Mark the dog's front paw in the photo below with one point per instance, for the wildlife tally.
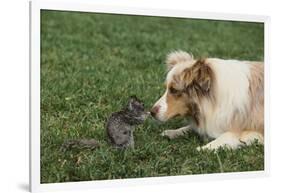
(171, 134)
(207, 147)
(203, 148)
(199, 148)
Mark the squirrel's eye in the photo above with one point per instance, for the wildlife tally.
(125, 132)
(173, 90)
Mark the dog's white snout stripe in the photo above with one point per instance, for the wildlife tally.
(162, 104)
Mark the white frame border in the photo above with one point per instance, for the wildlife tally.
(34, 177)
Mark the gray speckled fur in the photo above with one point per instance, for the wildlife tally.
(120, 125)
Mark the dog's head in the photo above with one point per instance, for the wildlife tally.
(187, 82)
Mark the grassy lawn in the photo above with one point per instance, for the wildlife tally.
(92, 63)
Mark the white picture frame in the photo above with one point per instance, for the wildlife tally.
(36, 6)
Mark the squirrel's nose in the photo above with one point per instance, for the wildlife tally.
(154, 110)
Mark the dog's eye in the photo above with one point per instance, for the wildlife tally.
(173, 90)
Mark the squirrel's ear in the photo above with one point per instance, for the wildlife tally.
(176, 57)
(133, 97)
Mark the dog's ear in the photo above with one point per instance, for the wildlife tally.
(199, 77)
(176, 57)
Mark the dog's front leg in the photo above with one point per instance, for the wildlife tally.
(227, 139)
(172, 134)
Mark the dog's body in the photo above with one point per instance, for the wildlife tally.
(224, 97)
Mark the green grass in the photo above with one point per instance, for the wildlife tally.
(92, 63)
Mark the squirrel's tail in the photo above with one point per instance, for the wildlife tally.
(80, 144)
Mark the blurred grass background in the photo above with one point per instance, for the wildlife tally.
(91, 64)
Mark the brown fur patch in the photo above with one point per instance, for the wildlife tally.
(188, 88)
(176, 105)
(256, 93)
(179, 105)
(195, 112)
(199, 80)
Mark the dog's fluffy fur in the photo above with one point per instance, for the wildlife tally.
(224, 97)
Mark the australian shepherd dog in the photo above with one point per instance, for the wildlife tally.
(225, 98)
